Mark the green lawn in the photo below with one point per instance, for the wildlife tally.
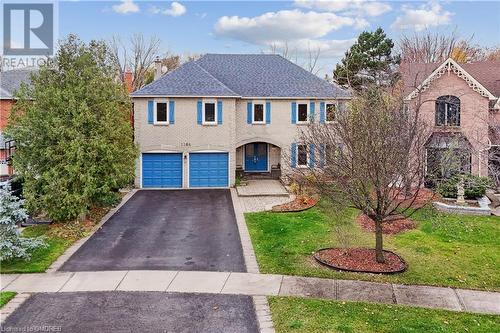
(41, 258)
(312, 315)
(448, 250)
(5, 297)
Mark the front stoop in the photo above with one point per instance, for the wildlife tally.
(262, 188)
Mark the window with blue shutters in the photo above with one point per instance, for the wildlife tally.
(160, 112)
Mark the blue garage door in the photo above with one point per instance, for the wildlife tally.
(161, 170)
(208, 170)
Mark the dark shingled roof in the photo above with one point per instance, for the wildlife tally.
(11, 80)
(485, 72)
(245, 75)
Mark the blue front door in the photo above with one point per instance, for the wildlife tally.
(256, 157)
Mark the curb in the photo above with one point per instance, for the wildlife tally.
(12, 305)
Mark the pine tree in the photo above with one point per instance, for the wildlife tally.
(368, 61)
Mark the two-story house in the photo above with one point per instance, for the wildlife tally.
(10, 82)
(460, 103)
(200, 124)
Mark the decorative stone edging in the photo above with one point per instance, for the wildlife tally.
(483, 208)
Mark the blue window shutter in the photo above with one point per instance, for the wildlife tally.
(219, 112)
(249, 112)
(268, 112)
(322, 152)
(293, 155)
(294, 112)
(171, 112)
(322, 115)
(199, 117)
(312, 110)
(312, 159)
(151, 106)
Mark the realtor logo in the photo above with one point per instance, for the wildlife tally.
(28, 29)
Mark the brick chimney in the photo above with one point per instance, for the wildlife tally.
(157, 68)
(128, 78)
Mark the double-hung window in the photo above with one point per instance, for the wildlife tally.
(448, 111)
(302, 113)
(161, 112)
(209, 112)
(302, 155)
(259, 114)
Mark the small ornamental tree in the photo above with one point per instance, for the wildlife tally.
(12, 244)
(72, 130)
(370, 156)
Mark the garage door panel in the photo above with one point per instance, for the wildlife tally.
(162, 170)
(208, 170)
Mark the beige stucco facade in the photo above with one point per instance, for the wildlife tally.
(186, 135)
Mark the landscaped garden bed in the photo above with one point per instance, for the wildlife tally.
(445, 250)
(393, 225)
(360, 260)
(299, 204)
(302, 315)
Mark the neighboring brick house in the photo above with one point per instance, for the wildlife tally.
(226, 113)
(10, 81)
(461, 103)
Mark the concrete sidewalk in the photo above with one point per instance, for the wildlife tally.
(255, 285)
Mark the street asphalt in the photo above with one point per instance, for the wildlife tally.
(167, 230)
(133, 312)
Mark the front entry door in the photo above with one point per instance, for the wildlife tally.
(256, 157)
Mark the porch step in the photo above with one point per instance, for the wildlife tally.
(257, 175)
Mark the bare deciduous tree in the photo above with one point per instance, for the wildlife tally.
(432, 47)
(368, 156)
(137, 57)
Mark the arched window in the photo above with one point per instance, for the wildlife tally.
(448, 111)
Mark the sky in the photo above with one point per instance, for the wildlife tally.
(197, 27)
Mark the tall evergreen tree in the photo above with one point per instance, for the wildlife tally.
(368, 61)
(72, 132)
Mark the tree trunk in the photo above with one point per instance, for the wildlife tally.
(379, 247)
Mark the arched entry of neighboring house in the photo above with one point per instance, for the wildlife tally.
(260, 158)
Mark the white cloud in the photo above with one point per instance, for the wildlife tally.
(328, 48)
(423, 17)
(126, 7)
(285, 25)
(353, 7)
(176, 9)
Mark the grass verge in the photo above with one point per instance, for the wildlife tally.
(313, 315)
(5, 297)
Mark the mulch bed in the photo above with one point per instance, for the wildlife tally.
(360, 260)
(392, 225)
(297, 205)
(424, 197)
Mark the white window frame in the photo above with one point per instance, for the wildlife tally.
(263, 122)
(155, 113)
(307, 121)
(209, 123)
(336, 103)
(307, 156)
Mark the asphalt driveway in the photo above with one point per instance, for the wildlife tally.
(177, 230)
(133, 312)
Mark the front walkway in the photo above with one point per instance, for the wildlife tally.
(255, 285)
(262, 194)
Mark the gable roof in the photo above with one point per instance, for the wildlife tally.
(10, 81)
(242, 75)
(483, 77)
